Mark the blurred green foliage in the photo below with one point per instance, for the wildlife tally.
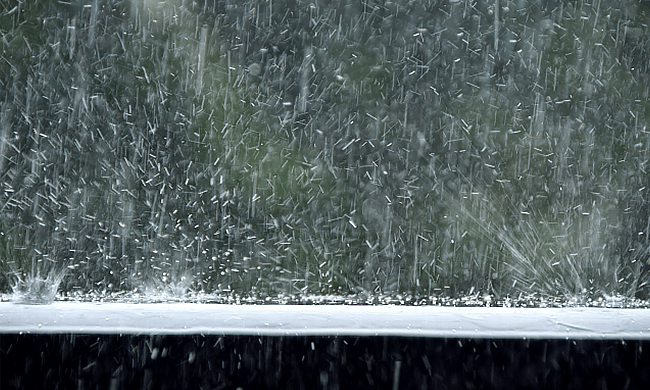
(327, 147)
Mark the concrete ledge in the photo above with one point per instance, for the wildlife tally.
(337, 320)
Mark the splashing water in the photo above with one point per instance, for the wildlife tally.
(343, 149)
(36, 290)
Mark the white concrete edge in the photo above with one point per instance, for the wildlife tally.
(335, 320)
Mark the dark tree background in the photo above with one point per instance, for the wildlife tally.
(326, 147)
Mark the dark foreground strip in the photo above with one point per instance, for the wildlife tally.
(315, 362)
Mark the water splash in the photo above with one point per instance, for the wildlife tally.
(36, 290)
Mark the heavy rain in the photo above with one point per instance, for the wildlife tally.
(393, 167)
(303, 150)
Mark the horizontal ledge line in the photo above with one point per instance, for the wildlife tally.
(329, 320)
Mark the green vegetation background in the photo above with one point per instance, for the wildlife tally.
(326, 147)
